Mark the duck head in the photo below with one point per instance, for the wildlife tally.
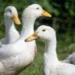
(35, 11)
(11, 13)
(45, 33)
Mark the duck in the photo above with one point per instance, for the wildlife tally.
(52, 65)
(10, 17)
(15, 57)
(0, 44)
(70, 59)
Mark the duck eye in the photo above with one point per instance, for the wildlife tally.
(37, 8)
(10, 11)
(43, 30)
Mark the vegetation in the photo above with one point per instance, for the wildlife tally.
(63, 13)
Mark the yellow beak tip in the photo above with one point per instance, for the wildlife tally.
(19, 23)
(46, 14)
(50, 15)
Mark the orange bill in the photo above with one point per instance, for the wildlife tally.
(16, 19)
(46, 14)
(32, 37)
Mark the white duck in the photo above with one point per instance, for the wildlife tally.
(52, 65)
(16, 56)
(11, 34)
(70, 59)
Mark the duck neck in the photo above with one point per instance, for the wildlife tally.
(28, 27)
(9, 27)
(50, 49)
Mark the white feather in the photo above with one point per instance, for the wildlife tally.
(11, 33)
(52, 65)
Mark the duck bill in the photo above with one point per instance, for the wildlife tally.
(16, 19)
(32, 37)
(46, 14)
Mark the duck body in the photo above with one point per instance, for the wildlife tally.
(16, 56)
(9, 39)
(70, 59)
(52, 65)
(16, 61)
(11, 33)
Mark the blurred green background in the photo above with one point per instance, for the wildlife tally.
(63, 21)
